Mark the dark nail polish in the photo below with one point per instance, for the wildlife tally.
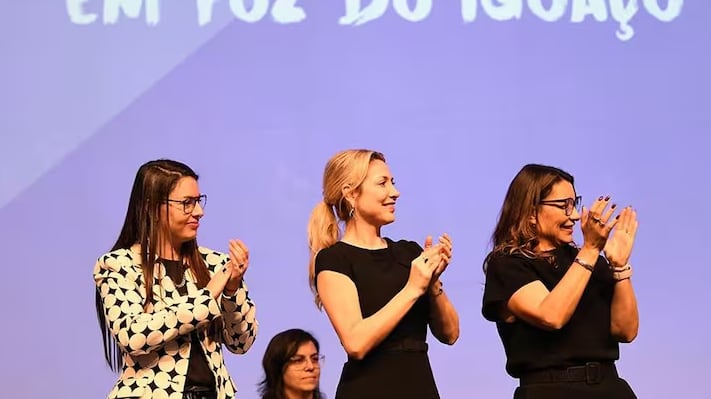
(600, 198)
(617, 217)
(613, 206)
(607, 198)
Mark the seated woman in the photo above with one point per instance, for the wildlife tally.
(292, 367)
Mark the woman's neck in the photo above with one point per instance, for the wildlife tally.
(168, 250)
(544, 246)
(363, 235)
(298, 394)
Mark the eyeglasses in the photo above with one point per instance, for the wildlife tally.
(566, 204)
(302, 362)
(189, 203)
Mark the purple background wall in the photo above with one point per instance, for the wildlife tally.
(257, 108)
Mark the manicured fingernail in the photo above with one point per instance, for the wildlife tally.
(617, 217)
(600, 198)
(607, 198)
(613, 206)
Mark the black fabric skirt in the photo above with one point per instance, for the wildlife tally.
(388, 375)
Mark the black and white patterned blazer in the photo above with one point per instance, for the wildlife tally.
(156, 343)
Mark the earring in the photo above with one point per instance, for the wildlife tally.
(350, 213)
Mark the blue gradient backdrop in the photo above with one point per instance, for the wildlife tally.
(257, 109)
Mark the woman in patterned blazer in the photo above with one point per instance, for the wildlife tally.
(165, 305)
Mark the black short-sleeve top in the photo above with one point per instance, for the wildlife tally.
(379, 274)
(586, 337)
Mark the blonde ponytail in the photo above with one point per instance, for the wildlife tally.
(323, 231)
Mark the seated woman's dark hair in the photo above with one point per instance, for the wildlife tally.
(280, 350)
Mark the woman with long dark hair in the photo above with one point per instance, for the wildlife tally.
(165, 305)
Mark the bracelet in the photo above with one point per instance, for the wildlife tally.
(233, 294)
(584, 264)
(621, 268)
(622, 273)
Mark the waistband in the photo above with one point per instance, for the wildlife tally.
(590, 373)
(403, 345)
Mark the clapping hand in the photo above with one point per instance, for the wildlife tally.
(619, 247)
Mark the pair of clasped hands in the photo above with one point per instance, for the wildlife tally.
(229, 279)
(597, 224)
(432, 262)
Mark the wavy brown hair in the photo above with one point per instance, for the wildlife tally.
(514, 232)
(145, 223)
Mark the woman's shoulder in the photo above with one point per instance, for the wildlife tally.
(116, 260)
(503, 258)
(119, 253)
(335, 252)
(338, 257)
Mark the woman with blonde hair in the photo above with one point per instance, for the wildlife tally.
(165, 305)
(380, 295)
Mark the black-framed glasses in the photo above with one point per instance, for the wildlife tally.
(189, 203)
(301, 362)
(567, 204)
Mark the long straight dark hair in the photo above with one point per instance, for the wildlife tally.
(276, 357)
(514, 232)
(145, 225)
